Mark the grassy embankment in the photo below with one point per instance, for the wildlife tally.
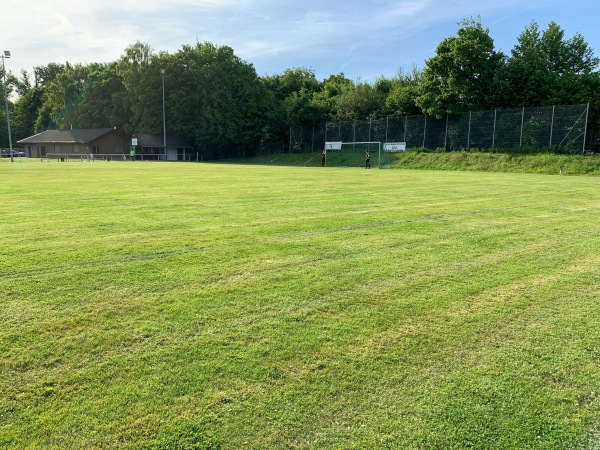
(543, 163)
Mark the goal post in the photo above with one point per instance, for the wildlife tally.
(352, 154)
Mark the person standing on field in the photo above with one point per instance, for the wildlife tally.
(323, 159)
(132, 154)
(367, 160)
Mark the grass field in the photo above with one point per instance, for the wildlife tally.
(175, 306)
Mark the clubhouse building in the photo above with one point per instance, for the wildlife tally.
(105, 142)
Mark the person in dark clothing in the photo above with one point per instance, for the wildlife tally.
(323, 159)
(367, 160)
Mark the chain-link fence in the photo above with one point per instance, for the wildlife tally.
(560, 128)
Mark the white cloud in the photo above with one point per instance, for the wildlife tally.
(357, 36)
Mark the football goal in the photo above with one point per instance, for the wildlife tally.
(353, 154)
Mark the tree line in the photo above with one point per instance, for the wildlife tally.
(218, 103)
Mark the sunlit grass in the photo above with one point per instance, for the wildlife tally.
(149, 305)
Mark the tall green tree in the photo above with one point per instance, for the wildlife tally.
(23, 84)
(327, 98)
(545, 68)
(216, 100)
(361, 101)
(100, 105)
(26, 112)
(293, 94)
(461, 75)
(66, 93)
(401, 99)
(139, 94)
(82, 96)
(31, 111)
(304, 108)
(292, 81)
(44, 75)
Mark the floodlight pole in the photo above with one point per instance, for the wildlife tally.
(162, 72)
(5, 55)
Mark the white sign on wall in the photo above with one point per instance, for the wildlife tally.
(394, 146)
(333, 145)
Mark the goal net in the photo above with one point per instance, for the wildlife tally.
(353, 154)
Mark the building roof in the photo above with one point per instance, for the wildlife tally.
(157, 141)
(67, 136)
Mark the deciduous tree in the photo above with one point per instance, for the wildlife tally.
(460, 77)
(217, 100)
(401, 99)
(544, 68)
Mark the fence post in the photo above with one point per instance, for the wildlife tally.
(387, 124)
(494, 132)
(424, 129)
(587, 113)
(312, 149)
(370, 121)
(522, 120)
(405, 126)
(552, 125)
(446, 135)
(469, 132)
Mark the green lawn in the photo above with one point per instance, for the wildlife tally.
(181, 305)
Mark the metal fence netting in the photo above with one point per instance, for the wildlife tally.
(556, 127)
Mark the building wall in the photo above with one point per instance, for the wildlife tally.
(32, 150)
(171, 154)
(110, 143)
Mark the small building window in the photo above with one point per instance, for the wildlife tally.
(75, 148)
(56, 148)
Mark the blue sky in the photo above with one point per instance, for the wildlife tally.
(363, 39)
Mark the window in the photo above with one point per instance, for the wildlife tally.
(56, 148)
(95, 149)
(75, 148)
